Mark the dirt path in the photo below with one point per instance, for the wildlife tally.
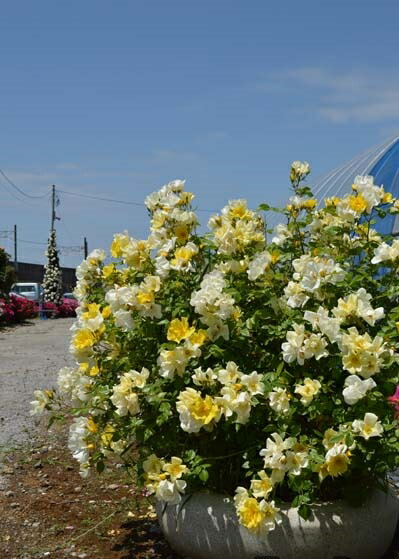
(46, 510)
(30, 357)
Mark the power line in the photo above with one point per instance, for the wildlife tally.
(126, 202)
(73, 248)
(100, 198)
(62, 222)
(32, 242)
(69, 193)
(20, 189)
(12, 193)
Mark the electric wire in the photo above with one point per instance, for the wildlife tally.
(63, 224)
(11, 192)
(75, 248)
(20, 189)
(126, 202)
(68, 249)
(80, 195)
(92, 197)
(31, 242)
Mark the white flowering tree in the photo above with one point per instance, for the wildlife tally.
(221, 362)
(52, 282)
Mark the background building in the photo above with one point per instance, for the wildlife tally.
(34, 273)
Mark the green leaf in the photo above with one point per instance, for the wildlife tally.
(204, 475)
(189, 455)
(280, 368)
(296, 501)
(305, 512)
(165, 408)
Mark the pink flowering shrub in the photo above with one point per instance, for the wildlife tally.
(394, 400)
(22, 308)
(6, 312)
(66, 308)
(16, 309)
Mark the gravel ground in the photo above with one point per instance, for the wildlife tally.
(31, 355)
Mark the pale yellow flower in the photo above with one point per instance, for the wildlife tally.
(179, 329)
(94, 371)
(357, 203)
(106, 436)
(175, 468)
(262, 487)
(196, 411)
(368, 427)
(198, 338)
(83, 339)
(337, 460)
(106, 312)
(119, 243)
(108, 270)
(308, 390)
(250, 514)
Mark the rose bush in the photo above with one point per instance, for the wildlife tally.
(64, 309)
(7, 273)
(230, 362)
(16, 309)
(6, 312)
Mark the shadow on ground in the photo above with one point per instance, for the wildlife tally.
(143, 538)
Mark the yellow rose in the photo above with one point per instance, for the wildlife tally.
(83, 339)
(179, 329)
(357, 203)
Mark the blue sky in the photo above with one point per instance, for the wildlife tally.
(115, 98)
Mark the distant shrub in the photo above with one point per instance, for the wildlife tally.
(7, 274)
(64, 309)
(16, 309)
(67, 308)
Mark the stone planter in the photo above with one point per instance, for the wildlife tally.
(205, 526)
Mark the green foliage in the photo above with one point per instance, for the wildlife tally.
(7, 274)
(223, 360)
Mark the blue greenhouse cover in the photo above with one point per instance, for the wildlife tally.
(381, 162)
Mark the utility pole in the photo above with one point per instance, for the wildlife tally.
(85, 247)
(52, 207)
(55, 201)
(15, 250)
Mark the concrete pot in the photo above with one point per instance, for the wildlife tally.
(205, 526)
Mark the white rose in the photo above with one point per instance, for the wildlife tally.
(356, 388)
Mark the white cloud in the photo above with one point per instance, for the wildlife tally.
(342, 97)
